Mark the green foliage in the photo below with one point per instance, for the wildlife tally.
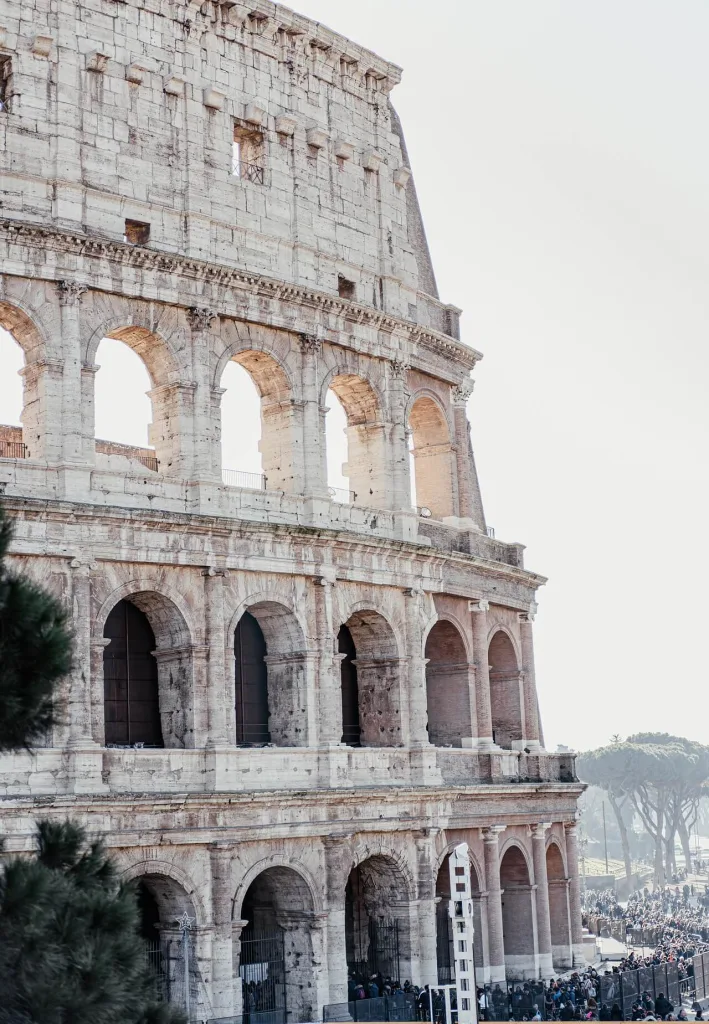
(70, 948)
(35, 653)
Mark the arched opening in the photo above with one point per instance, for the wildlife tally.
(366, 461)
(377, 935)
(251, 683)
(147, 674)
(562, 955)
(433, 458)
(351, 729)
(447, 686)
(123, 385)
(373, 653)
(257, 428)
(12, 362)
(130, 678)
(270, 687)
(276, 960)
(517, 916)
(167, 920)
(444, 930)
(506, 699)
(338, 481)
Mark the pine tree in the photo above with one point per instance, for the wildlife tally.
(35, 653)
(70, 948)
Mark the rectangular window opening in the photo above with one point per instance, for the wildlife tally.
(345, 288)
(460, 871)
(137, 232)
(247, 155)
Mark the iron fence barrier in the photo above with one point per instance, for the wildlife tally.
(399, 1007)
(266, 1017)
(13, 450)
(239, 478)
(149, 461)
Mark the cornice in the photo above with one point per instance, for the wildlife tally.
(221, 525)
(153, 260)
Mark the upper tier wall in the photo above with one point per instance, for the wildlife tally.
(128, 111)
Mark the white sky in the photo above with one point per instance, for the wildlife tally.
(561, 157)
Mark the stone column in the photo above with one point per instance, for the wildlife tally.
(400, 493)
(222, 951)
(482, 675)
(539, 859)
(204, 431)
(329, 693)
(428, 958)
(531, 711)
(469, 499)
(314, 469)
(237, 928)
(88, 429)
(98, 645)
(572, 863)
(70, 293)
(216, 689)
(496, 946)
(42, 410)
(337, 866)
(415, 687)
(80, 733)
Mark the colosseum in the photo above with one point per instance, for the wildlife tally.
(289, 702)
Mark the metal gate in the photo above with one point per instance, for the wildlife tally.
(172, 966)
(444, 943)
(377, 950)
(262, 969)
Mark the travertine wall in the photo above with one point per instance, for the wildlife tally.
(312, 273)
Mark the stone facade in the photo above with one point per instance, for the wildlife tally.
(229, 181)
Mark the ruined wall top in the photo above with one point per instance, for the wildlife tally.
(235, 132)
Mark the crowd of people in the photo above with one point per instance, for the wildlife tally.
(674, 921)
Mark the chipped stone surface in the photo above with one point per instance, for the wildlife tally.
(313, 274)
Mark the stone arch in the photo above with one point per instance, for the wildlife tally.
(448, 685)
(275, 674)
(506, 694)
(377, 663)
(559, 919)
(278, 911)
(368, 436)
(179, 879)
(444, 931)
(35, 437)
(173, 657)
(518, 920)
(433, 455)
(278, 428)
(274, 861)
(378, 894)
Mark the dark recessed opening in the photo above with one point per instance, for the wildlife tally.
(345, 288)
(137, 232)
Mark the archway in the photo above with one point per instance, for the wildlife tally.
(270, 686)
(11, 398)
(444, 931)
(517, 916)
(447, 686)
(562, 954)
(506, 698)
(167, 920)
(373, 653)
(261, 442)
(351, 728)
(276, 959)
(433, 458)
(366, 462)
(24, 397)
(131, 372)
(377, 927)
(147, 674)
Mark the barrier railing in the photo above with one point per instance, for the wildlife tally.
(399, 1007)
(238, 478)
(13, 450)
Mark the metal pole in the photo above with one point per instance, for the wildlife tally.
(605, 838)
(186, 964)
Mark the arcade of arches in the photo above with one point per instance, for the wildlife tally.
(285, 942)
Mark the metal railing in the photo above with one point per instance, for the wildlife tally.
(13, 450)
(342, 496)
(149, 461)
(248, 172)
(239, 478)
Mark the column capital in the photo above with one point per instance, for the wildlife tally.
(492, 833)
(70, 292)
(479, 606)
(462, 392)
(398, 369)
(570, 827)
(212, 570)
(82, 567)
(200, 317)
(539, 828)
(309, 344)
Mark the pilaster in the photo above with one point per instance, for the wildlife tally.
(539, 859)
(491, 847)
(482, 675)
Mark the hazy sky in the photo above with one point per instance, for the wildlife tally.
(561, 157)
